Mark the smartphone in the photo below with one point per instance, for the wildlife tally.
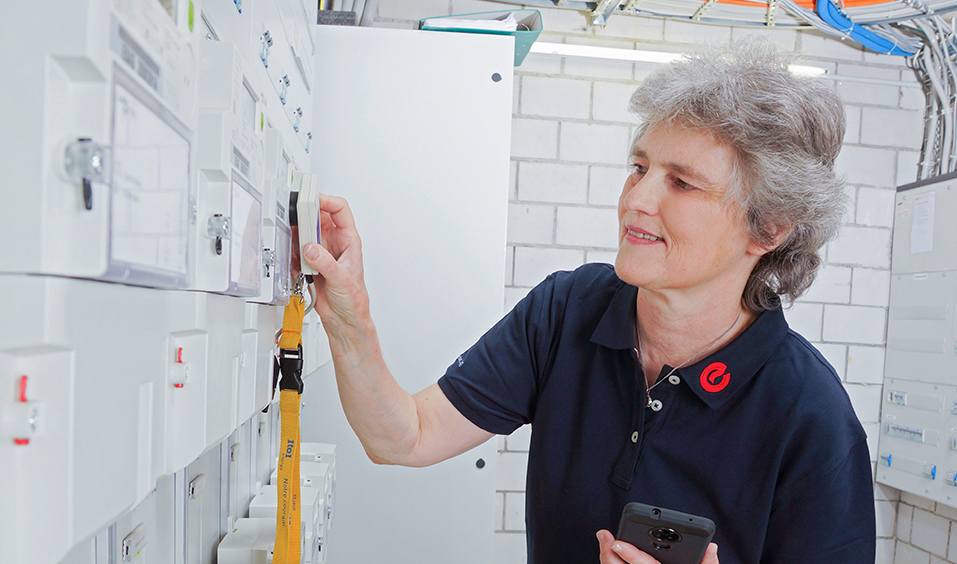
(670, 536)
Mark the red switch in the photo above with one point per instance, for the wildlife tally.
(23, 399)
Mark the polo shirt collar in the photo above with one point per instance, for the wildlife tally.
(718, 377)
(616, 329)
(715, 378)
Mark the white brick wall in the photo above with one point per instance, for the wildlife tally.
(570, 137)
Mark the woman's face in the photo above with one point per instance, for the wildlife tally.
(676, 231)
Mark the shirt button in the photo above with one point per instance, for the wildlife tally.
(656, 405)
(634, 437)
(674, 379)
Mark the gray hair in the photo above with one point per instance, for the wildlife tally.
(786, 131)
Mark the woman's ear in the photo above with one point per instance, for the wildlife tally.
(779, 237)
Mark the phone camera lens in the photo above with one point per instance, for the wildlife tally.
(665, 535)
(661, 546)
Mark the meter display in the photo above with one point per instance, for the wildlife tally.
(245, 239)
(149, 216)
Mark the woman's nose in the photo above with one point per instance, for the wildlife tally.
(642, 194)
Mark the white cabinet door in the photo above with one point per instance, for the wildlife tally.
(413, 128)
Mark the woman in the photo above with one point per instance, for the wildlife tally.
(671, 379)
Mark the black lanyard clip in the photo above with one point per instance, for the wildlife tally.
(290, 364)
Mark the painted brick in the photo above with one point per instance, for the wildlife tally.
(870, 287)
(918, 502)
(866, 401)
(552, 182)
(907, 554)
(530, 223)
(885, 551)
(930, 532)
(867, 165)
(868, 71)
(633, 27)
(875, 207)
(520, 439)
(832, 285)
(885, 513)
(818, 45)
(509, 548)
(468, 6)
(936, 560)
(952, 550)
(610, 102)
(891, 127)
(512, 297)
(509, 265)
(516, 95)
(836, 356)
(414, 10)
(607, 257)
(513, 180)
(594, 143)
(905, 516)
(587, 227)
(605, 184)
(784, 39)
(946, 512)
(511, 471)
(886, 493)
(555, 97)
(853, 132)
(872, 431)
(912, 98)
(534, 138)
(881, 59)
(907, 162)
(643, 69)
(854, 92)
(564, 21)
(600, 68)
(514, 511)
(865, 365)
(687, 32)
(861, 246)
(533, 264)
(805, 319)
(540, 63)
(854, 324)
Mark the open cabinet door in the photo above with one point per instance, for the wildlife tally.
(413, 128)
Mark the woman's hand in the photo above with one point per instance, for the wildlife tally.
(613, 551)
(342, 299)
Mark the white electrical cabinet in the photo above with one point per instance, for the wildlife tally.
(918, 441)
(152, 147)
(105, 111)
(422, 124)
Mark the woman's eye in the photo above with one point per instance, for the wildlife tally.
(682, 185)
(638, 168)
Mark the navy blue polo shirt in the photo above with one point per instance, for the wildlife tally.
(760, 436)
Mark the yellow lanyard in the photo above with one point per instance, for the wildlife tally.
(288, 520)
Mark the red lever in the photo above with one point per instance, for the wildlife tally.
(23, 399)
(179, 355)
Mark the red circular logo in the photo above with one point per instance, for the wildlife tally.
(715, 377)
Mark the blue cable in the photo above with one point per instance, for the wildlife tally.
(830, 14)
